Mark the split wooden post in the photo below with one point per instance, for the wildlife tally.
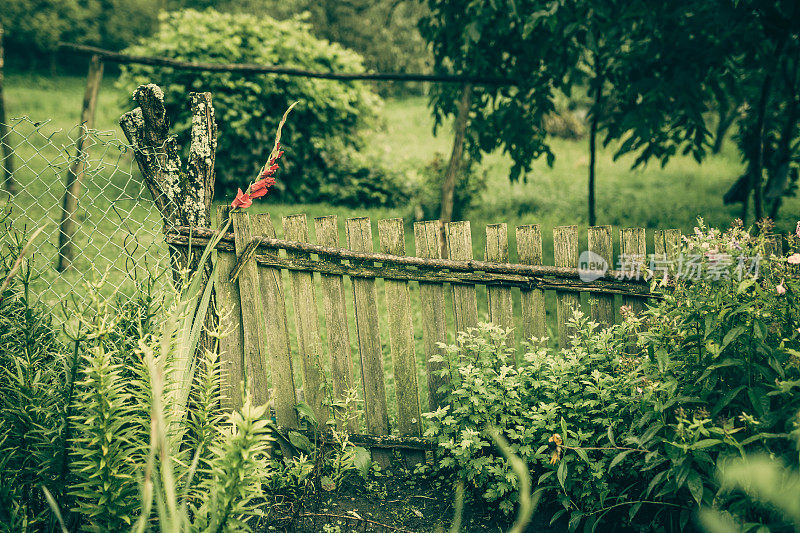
(275, 330)
(529, 251)
(401, 338)
(600, 244)
(501, 309)
(309, 342)
(229, 310)
(365, 299)
(565, 250)
(427, 236)
(465, 300)
(181, 200)
(75, 174)
(333, 299)
(633, 251)
(7, 162)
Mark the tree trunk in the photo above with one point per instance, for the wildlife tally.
(757, 177)
(7, 163)
(779, 176)
(456, 156)
(727, 116)
(75, 174)
(757, 174)
(598, 95)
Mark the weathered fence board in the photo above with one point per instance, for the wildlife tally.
(401, 336)
(565, 254)
(434, 322)
(365, 299)
(231, 344)
(253, 330)
(529, 250)
(276, 331)
(501, 310)
(602, 305)
(465, 299)
(337, 330)
(309, 343)
(633, 250)
(667, 245)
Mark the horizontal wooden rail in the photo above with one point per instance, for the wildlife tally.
(370, 441)
(247, 68)
(430, 270)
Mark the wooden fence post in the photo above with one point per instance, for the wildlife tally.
(75, 174)
(501, 309)
(529, 250)
(365, 299)
(327, 230)
(565, 250)
(8, 157)
(428, 237)
(602, 305)
(181, 200)
(401, 338)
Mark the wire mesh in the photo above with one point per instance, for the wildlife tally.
(118, 229)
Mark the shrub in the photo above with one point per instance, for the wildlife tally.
(580, 394)
(327, 126)
(633, 433)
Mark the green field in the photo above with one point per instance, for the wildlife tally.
(126, 231)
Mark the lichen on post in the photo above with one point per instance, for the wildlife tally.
(182, 197)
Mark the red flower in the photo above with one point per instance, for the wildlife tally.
(259, 188)
(242, 200)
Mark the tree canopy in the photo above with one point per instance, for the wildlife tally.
(653, 72)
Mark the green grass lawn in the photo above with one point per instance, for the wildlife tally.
(125, 230)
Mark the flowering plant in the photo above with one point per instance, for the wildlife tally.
(265, 178)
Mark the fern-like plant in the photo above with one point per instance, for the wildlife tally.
(106, 487)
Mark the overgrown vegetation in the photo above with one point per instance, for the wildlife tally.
(628, 425)
(116, 429)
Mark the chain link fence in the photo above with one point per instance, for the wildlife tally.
(118, 229)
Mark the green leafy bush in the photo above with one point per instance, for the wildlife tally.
(322, 162)
(579, 393)
(624, 432)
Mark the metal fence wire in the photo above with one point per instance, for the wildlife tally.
(118, 229)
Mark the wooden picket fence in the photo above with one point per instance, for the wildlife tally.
(250, 286)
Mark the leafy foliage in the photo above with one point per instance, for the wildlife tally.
(630, 58)
(626, 432)
(33, 27)
(76, 424)
(326, 133)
